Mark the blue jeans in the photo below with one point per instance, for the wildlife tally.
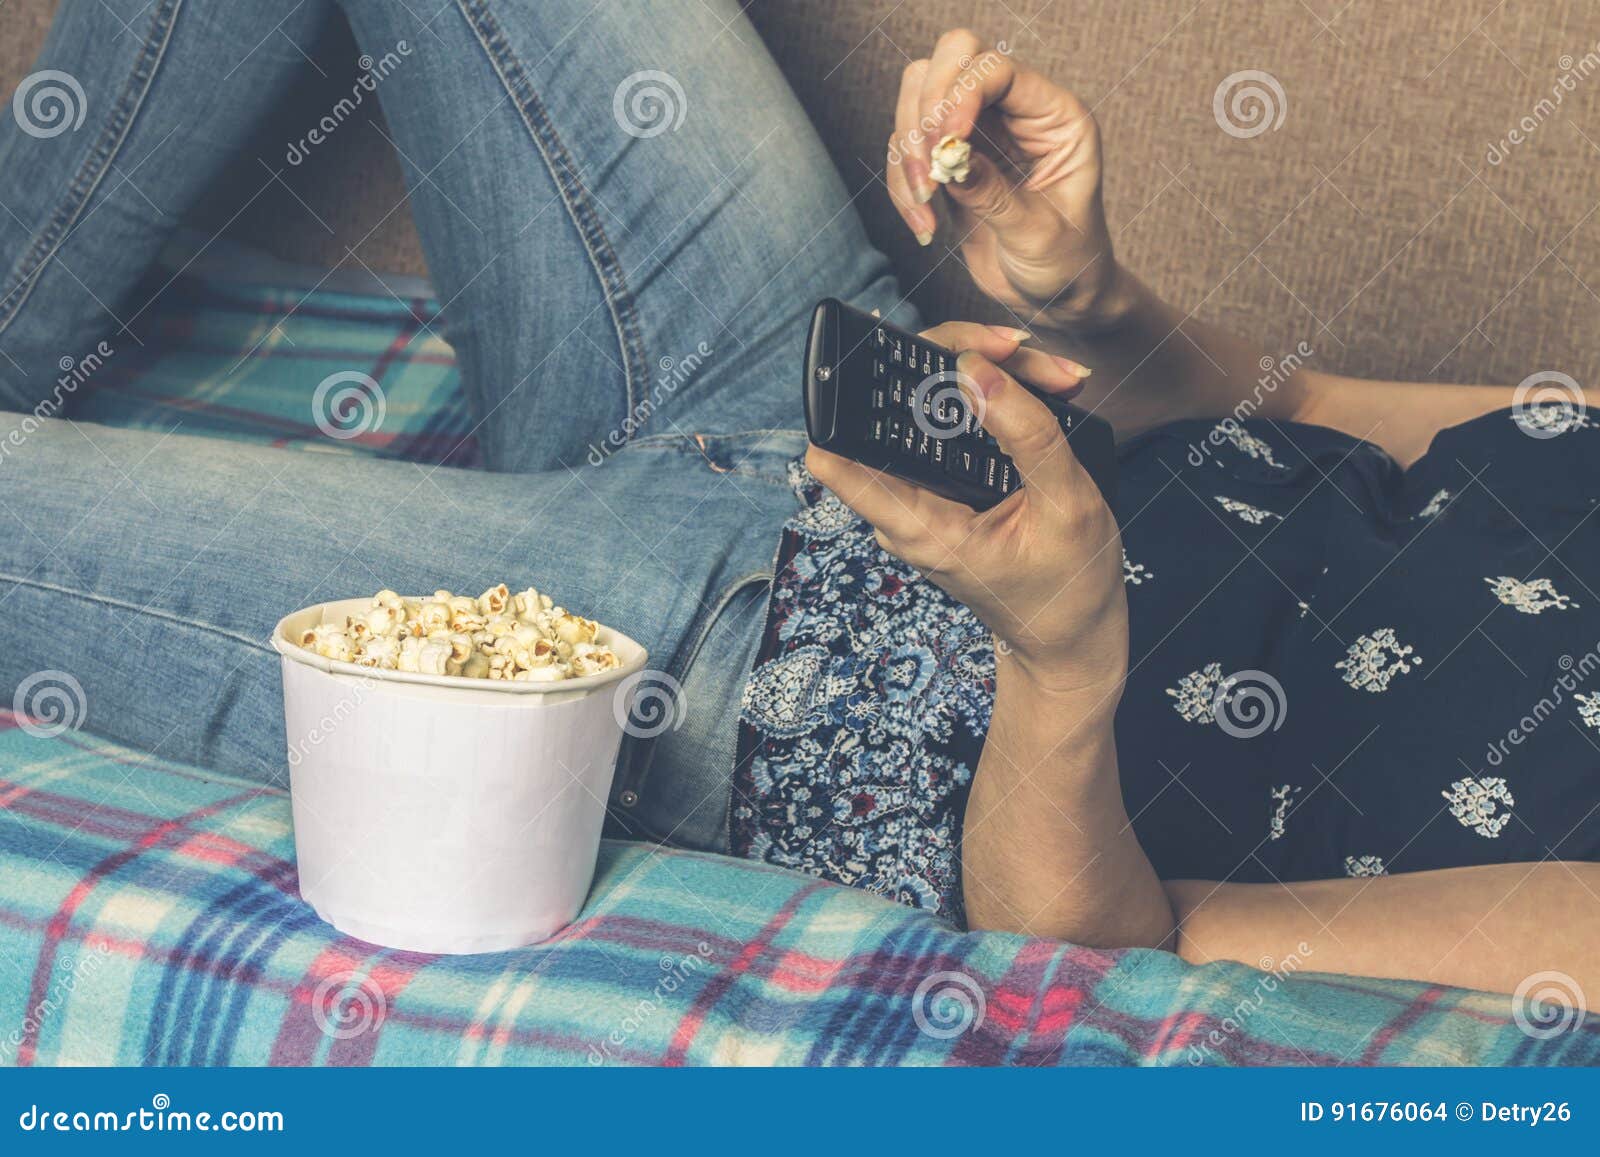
(576, 249)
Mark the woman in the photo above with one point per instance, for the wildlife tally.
(1057, 732)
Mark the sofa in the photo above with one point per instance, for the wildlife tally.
(151, 911)
(1387, 221)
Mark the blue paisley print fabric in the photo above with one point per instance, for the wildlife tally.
(862, 725)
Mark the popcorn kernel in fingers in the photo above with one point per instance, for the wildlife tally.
(952, 161)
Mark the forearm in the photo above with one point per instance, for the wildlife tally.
(1402, 417)
(1154, 364)
(1487, 927)
(1047, 849)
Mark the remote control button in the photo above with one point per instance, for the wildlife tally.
(924, 446)
(897, 350)
(899, 394)
(878, 398)
(877, 431)
(938, 454)
(880, 338)
(880, 369)
(894, 431)
(964, 464)
(908, 437)
(991, 471)
(1010, 479)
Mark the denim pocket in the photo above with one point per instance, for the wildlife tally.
(679, 792)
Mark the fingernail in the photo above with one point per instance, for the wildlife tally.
(921, 184)
(1071, 366)
(1010, 333)
(924, 238)
(982, 376)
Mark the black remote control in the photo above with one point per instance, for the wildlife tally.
(888, 399)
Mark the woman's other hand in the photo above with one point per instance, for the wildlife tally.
(1043, 569)
(1028, 219)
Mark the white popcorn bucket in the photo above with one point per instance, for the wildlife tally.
(440, 814)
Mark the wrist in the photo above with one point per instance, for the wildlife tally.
(1101, 305)
(1072, 691)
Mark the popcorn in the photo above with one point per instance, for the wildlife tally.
(384, 620)
(528, 604)
(330, 641)
(589, 659)
(574, 629)
(494, 600)
(498, 635)
(539, 675)
(433, 657)
(434, 616)
(952, 161)
(382, 651)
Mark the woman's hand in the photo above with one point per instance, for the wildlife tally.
(1029, 219)
(1043, 569)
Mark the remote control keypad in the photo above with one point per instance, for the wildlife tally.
(945, 434)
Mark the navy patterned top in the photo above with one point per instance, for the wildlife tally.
(1336, 667)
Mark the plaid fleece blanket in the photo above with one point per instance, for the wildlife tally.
(149, 911)
(149, 915)
(244, 361)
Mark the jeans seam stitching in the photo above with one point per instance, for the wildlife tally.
(557, 159)
(638, 779)
(779, 480)
(86, 182)
(119, 604)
